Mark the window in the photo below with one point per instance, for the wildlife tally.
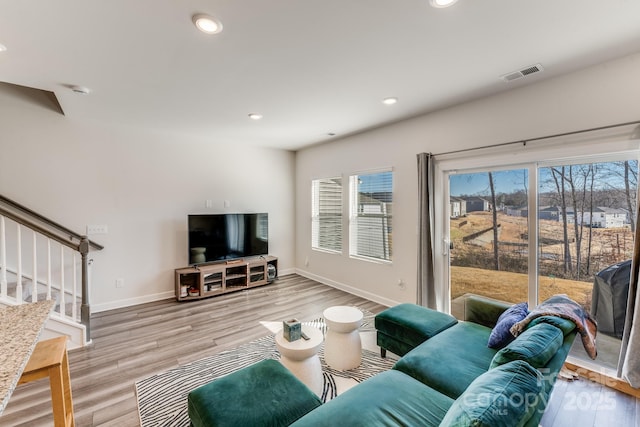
(371, 204)
(326, 212)
(578, 209)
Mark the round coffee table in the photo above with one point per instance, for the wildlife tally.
(301, 357)
(343, 348)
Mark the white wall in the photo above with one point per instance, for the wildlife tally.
(140, 184)
(143, 184)
(602, 95)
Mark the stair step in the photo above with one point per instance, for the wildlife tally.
(42, 295)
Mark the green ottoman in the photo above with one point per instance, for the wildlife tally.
(263, 394)
(402, 328)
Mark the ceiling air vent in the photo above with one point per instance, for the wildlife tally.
(515, 75)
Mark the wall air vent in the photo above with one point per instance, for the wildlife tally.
(515, 75)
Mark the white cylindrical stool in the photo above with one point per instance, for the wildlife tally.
(301, 357)
(343, 348)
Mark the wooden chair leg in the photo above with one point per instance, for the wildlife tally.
(58, 401)
(49, 359)
(66, 378)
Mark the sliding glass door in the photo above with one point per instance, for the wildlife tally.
(585, 243)
(489, 236)
(529, 232)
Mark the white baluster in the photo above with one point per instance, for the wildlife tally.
(34, 278)
(3, 259)
(62, 306)
(48, 269)
(74, 293)
(19, 273)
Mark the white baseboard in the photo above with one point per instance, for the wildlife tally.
(350, 289)
(97, 308)
(286, 271)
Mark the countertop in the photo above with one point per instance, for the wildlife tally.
(20, 328)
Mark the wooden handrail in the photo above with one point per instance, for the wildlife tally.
(56, 232)
(21, 220)
(39, 229)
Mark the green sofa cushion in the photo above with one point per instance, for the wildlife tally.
(536, 345)
(565, 325)
(412, 324)
(390, 398)
(264, 394)
(504, 396)
(451, 360)
(482, 310)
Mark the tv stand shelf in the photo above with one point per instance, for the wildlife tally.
(207, 280)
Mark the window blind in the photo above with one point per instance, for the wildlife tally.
(326, 228)
(371, 203)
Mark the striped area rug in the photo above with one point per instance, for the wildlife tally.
(162, 398)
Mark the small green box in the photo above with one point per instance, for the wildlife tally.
(291, 330)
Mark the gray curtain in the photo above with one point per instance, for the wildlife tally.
(426, 282)
(629, 363)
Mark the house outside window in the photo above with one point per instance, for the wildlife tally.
(371, 202)
(326, 214)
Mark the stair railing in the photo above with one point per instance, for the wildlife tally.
(44, 229)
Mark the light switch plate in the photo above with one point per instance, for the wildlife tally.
(97, 229)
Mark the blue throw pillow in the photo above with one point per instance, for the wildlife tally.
(500, 335)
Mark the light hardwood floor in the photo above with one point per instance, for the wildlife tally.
(136, 342)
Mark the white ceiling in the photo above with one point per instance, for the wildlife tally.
(310, 67)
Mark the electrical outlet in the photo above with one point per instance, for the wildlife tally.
(97, 229)
(119, 283)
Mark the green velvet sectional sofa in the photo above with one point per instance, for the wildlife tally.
(454, 379)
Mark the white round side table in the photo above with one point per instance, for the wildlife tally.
(343, 348)
(301, 357)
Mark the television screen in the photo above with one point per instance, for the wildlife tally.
(216, 237)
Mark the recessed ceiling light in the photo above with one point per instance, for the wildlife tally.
(389, 101)
(81, 90)
(442, 3)
(2, 47)
(255, 116)
(207, 24)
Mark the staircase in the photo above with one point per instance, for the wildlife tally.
(39, 260)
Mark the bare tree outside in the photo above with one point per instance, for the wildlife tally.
(494, 212)
(559, 179)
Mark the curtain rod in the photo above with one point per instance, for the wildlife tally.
(540, 138)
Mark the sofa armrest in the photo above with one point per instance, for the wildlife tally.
(482, 310)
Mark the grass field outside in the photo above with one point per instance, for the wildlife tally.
(472, 269)
(513, 287)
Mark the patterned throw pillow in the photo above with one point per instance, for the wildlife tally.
(500, 335)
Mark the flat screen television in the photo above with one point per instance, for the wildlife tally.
(217, 237)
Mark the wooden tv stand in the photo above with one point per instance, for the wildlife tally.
(207, 280)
